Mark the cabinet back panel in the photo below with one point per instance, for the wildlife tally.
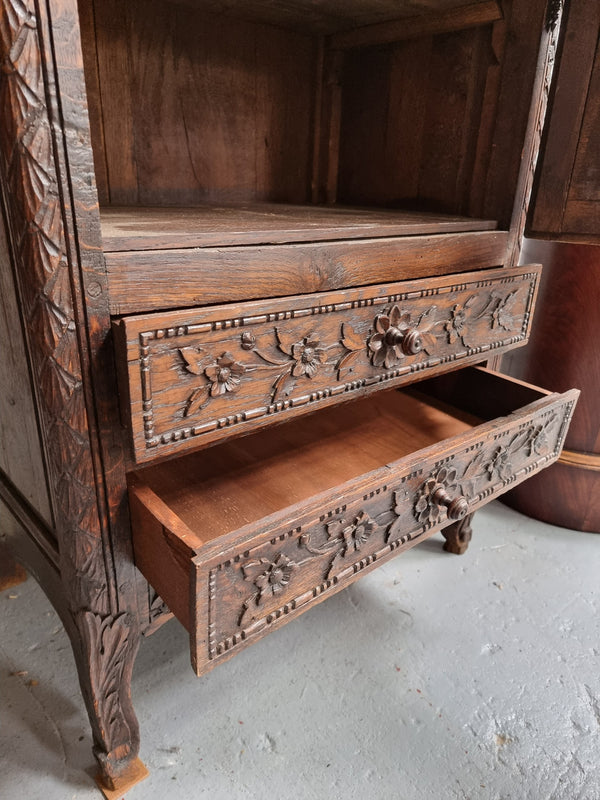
(410, 119)
(197, 107)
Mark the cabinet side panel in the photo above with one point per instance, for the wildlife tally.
(20, 446)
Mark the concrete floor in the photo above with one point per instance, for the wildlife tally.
(436, 677)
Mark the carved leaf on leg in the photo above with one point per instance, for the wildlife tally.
(110, 650)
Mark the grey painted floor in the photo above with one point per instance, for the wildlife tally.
(435, 677)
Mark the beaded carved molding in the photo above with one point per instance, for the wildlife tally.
(253, 588)
(208, 374)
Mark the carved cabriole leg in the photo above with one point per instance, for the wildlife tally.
(458, 535)
(61, 282)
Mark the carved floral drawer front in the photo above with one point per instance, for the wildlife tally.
(247, 583)
(196, 376)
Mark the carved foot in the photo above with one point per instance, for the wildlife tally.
(458, 535)
(135, 773)
(105, 648)
(11, 573)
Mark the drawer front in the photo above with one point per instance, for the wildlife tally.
(197, 376)
(230, 592)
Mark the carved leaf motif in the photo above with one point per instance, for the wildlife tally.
(198, 398)
(426, 320)
(107, 640)
(350, 338)
(285, 341)
(193, 356)
(344, 365)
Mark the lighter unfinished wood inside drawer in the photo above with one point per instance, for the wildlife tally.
(248, 534)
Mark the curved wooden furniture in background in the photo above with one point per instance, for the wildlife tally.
(563, 352)
(564, 342)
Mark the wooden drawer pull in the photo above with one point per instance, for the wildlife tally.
(456, 508)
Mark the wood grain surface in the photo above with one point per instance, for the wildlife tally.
(200, 375)
(145, 280)
(141, 228)
(263, 547)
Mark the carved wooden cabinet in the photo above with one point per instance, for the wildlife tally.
(254, 252)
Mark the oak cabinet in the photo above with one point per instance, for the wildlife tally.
(250, 248)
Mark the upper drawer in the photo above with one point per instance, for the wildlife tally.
(198, 375)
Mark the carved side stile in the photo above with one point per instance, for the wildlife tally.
(51, 282)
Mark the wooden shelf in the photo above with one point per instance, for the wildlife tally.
(245, 480)
(139, 228)
(324, 16)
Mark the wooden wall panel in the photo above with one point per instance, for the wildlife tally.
(409, 122)
(20, 446)
(215, 109)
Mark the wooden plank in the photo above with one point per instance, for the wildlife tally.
(21, 450)
(207, 111)
(321, 16)
(143, 281)
(93, 96)
(565, 118)
(454, 19)
(142, 228)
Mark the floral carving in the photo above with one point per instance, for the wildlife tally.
(308, 356)
(224, 375)
(397, 335)
(270, 578)
(351, 536)
(427, 507)
(498, 464)
(456, 327)
(352, 345)
(536, 441)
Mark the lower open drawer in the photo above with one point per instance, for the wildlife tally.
(242, 537)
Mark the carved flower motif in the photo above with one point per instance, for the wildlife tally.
(426, 508)
(397, 335)
(499, 464)
(456, 326)
(224, 375)
(502, 315)
(308, 355)
(354, 535)
(271, 580)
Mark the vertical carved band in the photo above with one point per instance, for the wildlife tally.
(35, 218)
(50, 289)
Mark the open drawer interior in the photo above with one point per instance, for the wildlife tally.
(241, 536)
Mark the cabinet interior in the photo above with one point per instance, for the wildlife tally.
(239, 482)
(200, 103)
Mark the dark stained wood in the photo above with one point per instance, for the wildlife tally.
(211, 102)
(133, 228)
(324, 16)
(200, 376)
(563, 352)
(21, 455)
(207, 112)
(143, 280)
(409, 124)
(274, 548)
(60, 280)
(454, 19)
(511, 168)
(567, 139)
